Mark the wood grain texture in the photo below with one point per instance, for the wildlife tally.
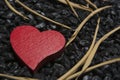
(33, 46)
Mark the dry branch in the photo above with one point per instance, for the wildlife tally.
(14, 10)
(36, 13)
(92, 53)
(92, 4)
(83, 23)
(94, 67)
(82, 7)
(75, 13)
(16, 78)
(79, 63)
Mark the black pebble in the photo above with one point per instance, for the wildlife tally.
(110, 48)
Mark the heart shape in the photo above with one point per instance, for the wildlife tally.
(33, 46)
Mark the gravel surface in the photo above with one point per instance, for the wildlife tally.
(110, 48)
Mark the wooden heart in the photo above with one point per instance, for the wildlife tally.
(33, 46)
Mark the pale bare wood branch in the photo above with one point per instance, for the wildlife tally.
(16, 78)
(81, 62)
(83, 23)
(82, 7)
(92, 4)
(36, 13)
(94, 67)
(14, 10)
(75, 13)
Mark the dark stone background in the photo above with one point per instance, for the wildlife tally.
(110, 48)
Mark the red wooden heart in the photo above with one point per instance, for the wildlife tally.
(33, 46)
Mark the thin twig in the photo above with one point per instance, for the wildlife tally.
(83, 23)
(92, 4)
(75, 67)
(36, 13)
(82, 7)
(16, 78)
(87, 54)
(92, 53)
(94, 67)
(90, 58)
(14, 10)
(72, 8)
